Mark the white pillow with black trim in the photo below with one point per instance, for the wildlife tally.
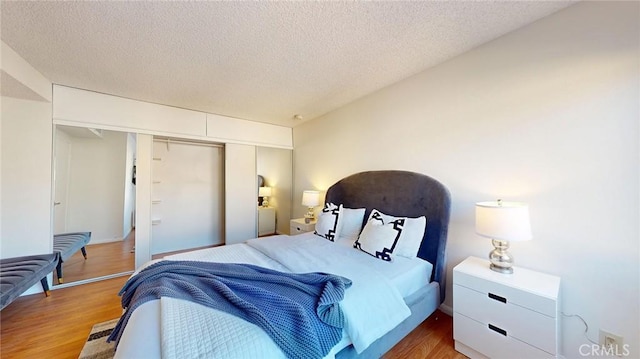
(380, 239)
(351, 223)
(412, 233)
(328, 222)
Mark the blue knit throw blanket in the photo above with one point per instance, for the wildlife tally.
(300, 312)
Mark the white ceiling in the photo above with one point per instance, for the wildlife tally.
(261, 61)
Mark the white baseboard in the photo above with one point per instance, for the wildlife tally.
(104, 240)
(469, 352)
(446, 309)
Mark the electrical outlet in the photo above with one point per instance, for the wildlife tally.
(611, 341)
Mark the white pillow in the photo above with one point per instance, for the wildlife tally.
(412, 233)
(380, 239)
(328, 222)
(351, 223)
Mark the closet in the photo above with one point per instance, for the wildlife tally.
(168, 216)
(186, 195)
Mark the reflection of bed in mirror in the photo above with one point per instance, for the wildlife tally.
(94, 192)
(402, 292)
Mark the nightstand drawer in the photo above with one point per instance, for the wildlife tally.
(490, 342)
(518, 322)
(297, 230)
(508, 286)
(298, 226)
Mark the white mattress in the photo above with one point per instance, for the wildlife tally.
(141, 337)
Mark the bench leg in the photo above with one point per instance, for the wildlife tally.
(84, 252)
(45, 286)
(59, 271)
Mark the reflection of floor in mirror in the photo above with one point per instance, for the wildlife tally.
(102, 259)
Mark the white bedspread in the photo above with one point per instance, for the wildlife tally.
(237, 338)
(178, 317)
(372, 305)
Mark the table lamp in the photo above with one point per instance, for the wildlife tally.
(310, 199)
(503, 222)
(265, 193)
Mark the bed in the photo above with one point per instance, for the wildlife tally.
(401, 292)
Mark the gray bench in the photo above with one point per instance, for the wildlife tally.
(20, 273)
(67, 244)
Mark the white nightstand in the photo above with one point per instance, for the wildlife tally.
(266, 221)
(499, 315)
(298, 226)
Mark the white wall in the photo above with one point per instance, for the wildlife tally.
(25, 160)
(26, 177)
(96, 186)
(546, 115)
(61, 159)
(23, 81)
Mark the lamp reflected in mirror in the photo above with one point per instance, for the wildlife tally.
(265, 193)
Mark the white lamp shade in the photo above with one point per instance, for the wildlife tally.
(311, 198)
(505, 221)
(264, 192)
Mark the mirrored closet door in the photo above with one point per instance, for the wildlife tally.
(275, 172)
(94, 191)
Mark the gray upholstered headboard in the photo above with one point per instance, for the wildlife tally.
(405, 194)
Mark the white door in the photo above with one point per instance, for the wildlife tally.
(61, 180)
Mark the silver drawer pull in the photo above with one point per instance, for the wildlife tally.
(498, 298)
(498, 330)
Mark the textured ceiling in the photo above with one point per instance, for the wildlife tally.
(261, 61)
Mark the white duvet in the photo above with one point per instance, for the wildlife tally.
(372, 305)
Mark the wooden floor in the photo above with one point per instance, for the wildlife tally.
(102, 259)
(105, 259)
(56, 327)
(431, 339)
